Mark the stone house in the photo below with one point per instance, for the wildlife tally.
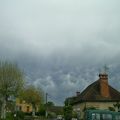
(98, 95)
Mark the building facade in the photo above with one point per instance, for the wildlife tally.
(98, 95)
(21, 105)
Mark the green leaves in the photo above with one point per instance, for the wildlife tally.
(68, 112)
(11, 79)
(32, 96)
(11, 82)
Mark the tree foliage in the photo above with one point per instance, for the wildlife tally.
(32, 96)
(111, 108)
(42, 109)
(11, 79)
(11, 82)
(49, 104)
(117, 105)
(68, 112)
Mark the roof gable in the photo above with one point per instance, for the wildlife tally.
(92, 93)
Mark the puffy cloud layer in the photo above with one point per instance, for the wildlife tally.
(61, 44)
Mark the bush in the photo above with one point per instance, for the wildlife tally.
(51, 115)
(74, 114)
(9, 116)
(37, 113)
(42, 112)
(19, 115)
(28, 113)
(111, 108)
(14, 116)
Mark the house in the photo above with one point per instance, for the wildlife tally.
(57, 110)
(98, 95)
(21, 105)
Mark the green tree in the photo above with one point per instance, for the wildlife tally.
(11, 82)
(32, 96)
(42, 109)
(74, 114)
(68, 112)
(50, 104)
(111, 108)
(117, 105)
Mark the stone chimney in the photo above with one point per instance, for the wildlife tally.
(104, 87)
(77, 93)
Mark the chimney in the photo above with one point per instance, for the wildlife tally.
(104, 87)
(77, 93)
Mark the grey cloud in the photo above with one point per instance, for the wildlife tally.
(61, 44)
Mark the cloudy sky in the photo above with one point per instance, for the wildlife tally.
(61, 45)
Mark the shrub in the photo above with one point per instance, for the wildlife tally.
(19, 115)
(74, 114)
(111, 108)
(28, 113)
(9, 116)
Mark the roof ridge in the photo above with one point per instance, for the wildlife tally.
(114, 89)
(92, 93)
(89, 86)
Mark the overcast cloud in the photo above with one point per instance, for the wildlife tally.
(61, 44)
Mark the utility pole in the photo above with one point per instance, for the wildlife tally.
(46, 114)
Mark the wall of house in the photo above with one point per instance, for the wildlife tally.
(23, 106)
(79, 108)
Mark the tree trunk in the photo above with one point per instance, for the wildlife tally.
(3, 109)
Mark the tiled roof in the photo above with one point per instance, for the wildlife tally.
(56, 109)
(92, 94)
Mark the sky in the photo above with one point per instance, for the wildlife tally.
(61, 45)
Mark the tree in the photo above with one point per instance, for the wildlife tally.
(32, 96)
(117, 105)
(42, 109)
(111, 108)
(49, 104)
(11, 82)
(68, 112)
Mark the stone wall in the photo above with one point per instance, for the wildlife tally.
(98, 105)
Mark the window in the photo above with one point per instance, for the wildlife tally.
(106, 116)
(28, 109)
(95, 116)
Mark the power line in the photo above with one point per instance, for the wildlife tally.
(54, 98)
